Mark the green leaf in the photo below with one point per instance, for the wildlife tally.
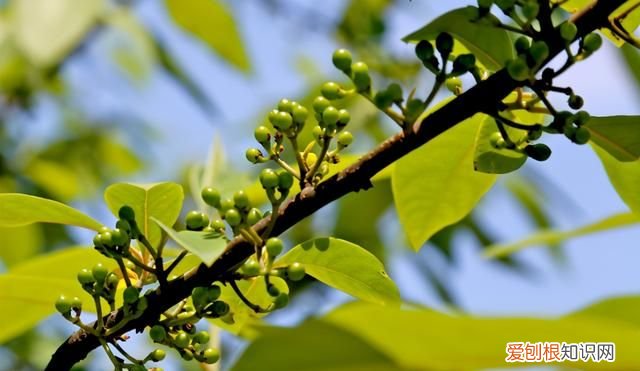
(491, 45)
(20, 243)
(488, 159)
(47, 30)
(213, 23)
(427, 340)
(162, 201)
(624, 309)
(130, 45)
(435, 186)
(346, 267)
(29, 290)
(551, 237)
(206, 246)
(632, 57)
(618, 135)
(624, 176)
(18, 209)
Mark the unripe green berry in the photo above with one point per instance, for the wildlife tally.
(85, 277)
(97, 240)
(518, 69)
(530, 10)
(320, 104)
(414, 109)
(253, 216)
(330, 116)
(196, 220)
(274, 246)
(282, 121)
(254, 155)
(157, 355)
(217, 225)
(106, 239)
(295, 272)
(213, 292)
(119, 238)
(281, 300)
(262, 134)
(424, 50)
(233, 217)
(285, 179)
(569, 131)
(497, 141)
(394, 91)
(317, 132)
(345, 139)
(273, 290)
(343, 117)
(130, 295)
(99, 273)
(124, 226)
(186, 354)
(268, 178)
(539, 51)
(63, 304)
(226, 204)
(158, 333)
(568, 31)
(581, 118)
(181, 340)
(251, 268)
(199, 297)
(522, 44)
(444, 43)
(211, 355)
(591, 42)
(241, 200)
(76, 303)
(538, 152)
(535, 133)
(582, 135)
(342, 60)
(454, 85)
(463, 63)
(285, 105)
(127, 213)
(330, 90)
(300, 114)
(219, 308)
(113, 280)
(360, 76)
(576, 102)
(201, 337)
(382, 100)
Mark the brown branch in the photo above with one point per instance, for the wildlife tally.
(481, 98)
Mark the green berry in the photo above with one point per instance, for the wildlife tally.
(424, 50)
(582, 136)
(454, 85)
(342, 60)
(285, 180)
(530, 10)
(106, 239)
(196, 220)
(569, 131)
(285, 105)
(568, 31)
(576, 102)
(330, 116)
(211, 355)
(127, 213)
(497, 141)
(76, 303)
(300, 114)
(253, 155)
(157, 355)
(241, 199)
(251, 268)
(217, 225)
(281, 300)
(518, 69)
(282, 121)
(591, 42)
(382, 100)
(535, 133)
(253, 216)
(539, 51)
(360, 76)
(99, 273)
(414, 109)
(181, 340)
(97, 240)
(124, 226)
(262, 134)
(581, 118)
(274, 246)
(345, 139)
(485, 4)
(233, 217)
(213, 293)
(130, 295)
(211, 196)
(343, 117)
(444, 44)
(463, 63)
(63, 304)
(295, 272)
(186, 354)
(331, 91)
(113, 280)
(158, 333)
(269, 179)
(199, 297)
(522, 44)
(317, 132)
(219, 308)
(201, 337)
(85, 277)
(119, 237)
(320, 104)
(226, 204)
(538, 152)
(273, 290)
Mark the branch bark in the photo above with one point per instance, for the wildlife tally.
(483, 97)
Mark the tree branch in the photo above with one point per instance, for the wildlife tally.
(481, 98)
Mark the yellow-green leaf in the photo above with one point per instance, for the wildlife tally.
(346, 267)
(436, 186)
(625, 178)
(618, 135)
(206, 246)
(213, 23)
(20, 243)
(18, 209)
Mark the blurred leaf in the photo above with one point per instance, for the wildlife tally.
(47, 30)
(551, 237)
(55, 178)
(436, 186)
(363, 20)
(629, 23)
(20, 243)
(29, 290)
(206, 246)
(131, 46)
(632, 57)
(624, 176)
(346, 267)
(488, 159)
(624, 309)
(18, 209)
(299, 349)
(213, 23)
(491, 45)
(162, 201)
(618, 135)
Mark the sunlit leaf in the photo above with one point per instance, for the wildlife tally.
(618, 135)
(624, 309)
(130, 45)
(20, 243)
(624, 176)
(346, 267)
(552, 237)
(213, 23)
(18, 209)
(206, 246)
(162, 201)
